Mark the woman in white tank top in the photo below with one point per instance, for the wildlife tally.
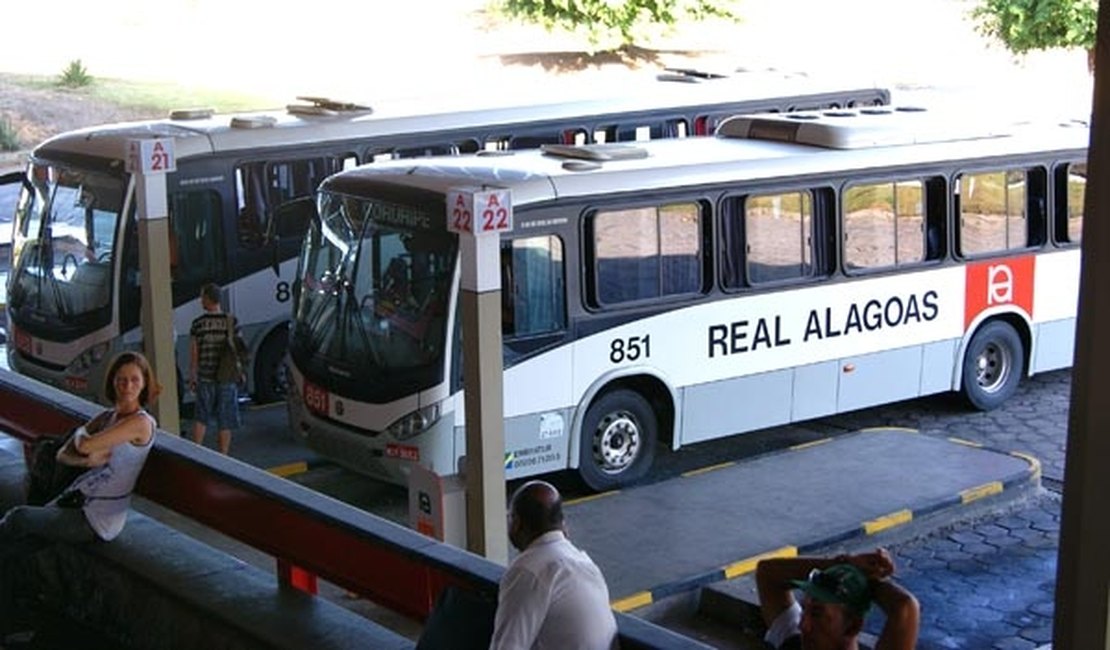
(95, 506)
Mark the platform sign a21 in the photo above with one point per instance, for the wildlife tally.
(479, 211)
(151, 156)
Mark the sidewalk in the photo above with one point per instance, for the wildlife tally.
(660, 540)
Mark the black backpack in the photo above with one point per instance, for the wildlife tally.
(46, 477)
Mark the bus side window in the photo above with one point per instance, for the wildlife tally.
(732, 243)
(884, 224)
(644, 253)
(263, 186)
(992, 211)
(936, 218)
(1071, 192)
(197, 244)
(1036, 181)
(778, 231)
(533, 297)
(251, 203)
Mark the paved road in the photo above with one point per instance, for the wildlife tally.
(984, 582)
(989, 583)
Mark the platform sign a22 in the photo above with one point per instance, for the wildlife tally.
(479, 211)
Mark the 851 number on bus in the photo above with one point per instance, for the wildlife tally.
(630, 349)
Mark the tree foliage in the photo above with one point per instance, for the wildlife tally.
(1026, 25)
(608, 22)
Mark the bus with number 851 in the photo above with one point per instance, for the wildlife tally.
(670, 292)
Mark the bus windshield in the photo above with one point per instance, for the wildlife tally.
(374, 278)
(63, 244)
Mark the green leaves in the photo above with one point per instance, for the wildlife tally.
(1026, 25)
(612, 24)
(75, 75)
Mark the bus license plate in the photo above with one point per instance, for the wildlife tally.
(315, 398)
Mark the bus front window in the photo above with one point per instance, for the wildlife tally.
(374, 292)
(64, 241)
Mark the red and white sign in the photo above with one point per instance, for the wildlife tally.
(154, 156)
(478, 211)
(995, 283)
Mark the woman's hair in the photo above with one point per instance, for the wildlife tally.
(151, 387)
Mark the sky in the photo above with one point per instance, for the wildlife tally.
(370, 50)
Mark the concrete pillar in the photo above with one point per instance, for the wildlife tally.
(150, 168)
(1083, 571)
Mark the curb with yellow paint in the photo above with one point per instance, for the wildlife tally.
(869, 527)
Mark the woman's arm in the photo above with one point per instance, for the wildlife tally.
(135, 428)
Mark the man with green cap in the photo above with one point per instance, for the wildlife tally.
(836, 595)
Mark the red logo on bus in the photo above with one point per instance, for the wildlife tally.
(999, 282)
(315, 398)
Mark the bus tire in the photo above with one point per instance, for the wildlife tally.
(618, 440)
(993, 363)
(271, 379)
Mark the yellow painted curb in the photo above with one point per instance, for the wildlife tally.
(591, 497)
(966, 443)
(747, 566)
(887, 521)
(1034, 463)
(289, 469)
(632, 602)
(807, 445)
(981, 491)
(706, 470)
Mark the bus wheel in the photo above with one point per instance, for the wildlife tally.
(271, 379)
(618, 440)
(993, 365)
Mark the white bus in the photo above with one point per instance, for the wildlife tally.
(74, 289)
(671, 292)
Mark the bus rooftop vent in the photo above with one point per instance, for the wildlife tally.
(595, 152)
(875, 126)
(252, 121)
(192, 113)
(688, 75)
(324, 107)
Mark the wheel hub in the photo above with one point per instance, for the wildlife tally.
(616, 442)
(993, 367)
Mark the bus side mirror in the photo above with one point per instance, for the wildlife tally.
(290, 220)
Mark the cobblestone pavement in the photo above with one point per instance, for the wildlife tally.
(987, 582)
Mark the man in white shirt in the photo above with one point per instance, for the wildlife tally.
(552, 595)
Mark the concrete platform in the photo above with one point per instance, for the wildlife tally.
(660, 540)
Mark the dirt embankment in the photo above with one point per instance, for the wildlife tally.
(35, 114)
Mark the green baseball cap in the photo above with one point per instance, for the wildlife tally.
(841, 584)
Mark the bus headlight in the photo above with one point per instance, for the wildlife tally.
(414, 423)
(89, 358)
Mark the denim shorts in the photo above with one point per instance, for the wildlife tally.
(219, 403)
